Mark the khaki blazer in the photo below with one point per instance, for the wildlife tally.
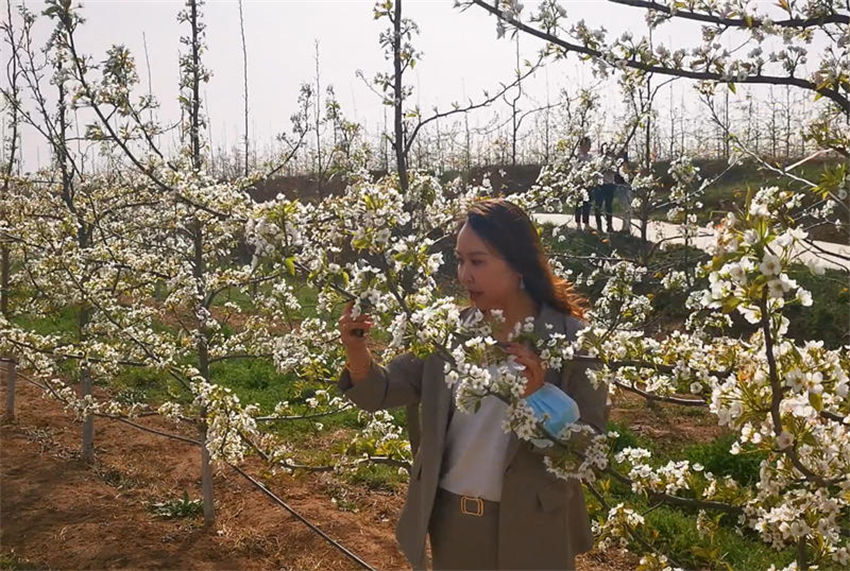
(543, 521)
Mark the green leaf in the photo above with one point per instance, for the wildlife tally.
(730, 304)
(731, 87)
(290, 265)
(816, 400)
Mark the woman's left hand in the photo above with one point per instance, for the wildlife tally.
(534, 367)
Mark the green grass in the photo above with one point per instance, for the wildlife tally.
(678, 535)
(11, 561)
(255, 381)
(626, 438)
(377, 477)
(827, 318)
(673, 531)
(728, 192)
(716, 458)
(713, 455)
(63, 322)
(136, 384)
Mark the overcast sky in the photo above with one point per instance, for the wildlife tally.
(461, 55)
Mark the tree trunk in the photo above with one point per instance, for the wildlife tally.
(195, 118)
(198, 266)
(11, 381)
(87, 448)
(206, 481)
(204, 370)
(648, 132)
(726, 128)
(514, 110)
(10, 365)
(467, 148)
(398, 104)
(320, 172)
(245, 80)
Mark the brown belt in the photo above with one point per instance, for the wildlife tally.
(469, 505)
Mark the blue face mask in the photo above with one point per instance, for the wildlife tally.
(553, 407)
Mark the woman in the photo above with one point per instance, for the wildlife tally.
(485, 497)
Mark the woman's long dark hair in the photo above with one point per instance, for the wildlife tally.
(509, 230)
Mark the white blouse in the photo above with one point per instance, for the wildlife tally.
(476, 445)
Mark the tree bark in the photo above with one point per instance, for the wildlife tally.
(11, 381)
(400, 142)
(320, 171)
(195, 127)
(244, 80)
(204, 370)
(87, 447)
(206, 481)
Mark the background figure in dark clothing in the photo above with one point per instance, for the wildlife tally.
(624, 190)
(583, 208)
(583, 213)
(605, 192)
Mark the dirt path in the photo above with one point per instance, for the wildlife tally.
(57, 512)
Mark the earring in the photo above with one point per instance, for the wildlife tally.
(521, 282)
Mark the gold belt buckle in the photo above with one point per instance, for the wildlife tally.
(476, 503)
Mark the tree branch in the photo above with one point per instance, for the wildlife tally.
(745, 22)
(832, 94)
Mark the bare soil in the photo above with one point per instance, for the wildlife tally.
(60, 513)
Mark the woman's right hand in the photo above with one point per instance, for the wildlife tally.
(354, 330)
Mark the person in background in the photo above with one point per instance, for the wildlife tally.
(583, 208)
(605, 192)
(623, 191)
(483, 497)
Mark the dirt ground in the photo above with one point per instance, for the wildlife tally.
(57, 512)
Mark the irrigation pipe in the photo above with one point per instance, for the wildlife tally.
(126, 421)
(303, 520)
(256, 483)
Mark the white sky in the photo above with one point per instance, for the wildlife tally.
(461, 55)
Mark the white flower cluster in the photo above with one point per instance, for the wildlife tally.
(755, 263)
(618, 304)
(675, 477)
(228, 423)
(617, 527)
(656, 562)
(381, 436)
(305, 350)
